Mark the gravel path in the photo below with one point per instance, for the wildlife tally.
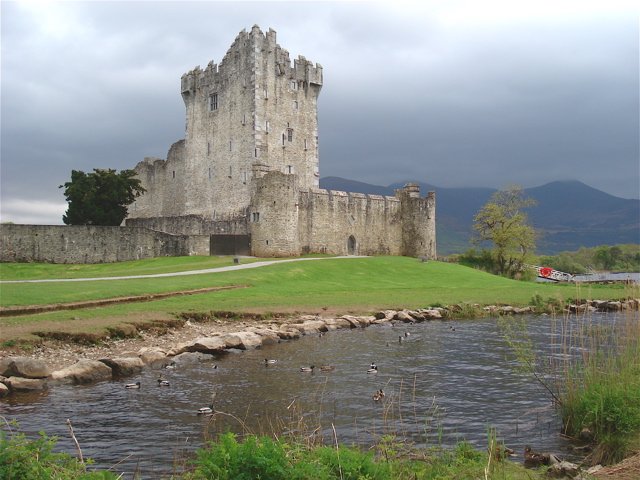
(240, 266)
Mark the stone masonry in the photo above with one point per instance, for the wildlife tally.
(248, 166)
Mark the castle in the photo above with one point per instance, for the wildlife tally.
(246, 174)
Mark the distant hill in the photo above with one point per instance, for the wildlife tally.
(569, 214)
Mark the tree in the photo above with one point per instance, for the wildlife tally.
(502, 222)
(101, 197)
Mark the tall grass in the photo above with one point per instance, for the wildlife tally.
(600, 400)
(592, 374)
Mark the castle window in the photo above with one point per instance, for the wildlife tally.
(230, 171)
(290, 134)
(208, 148)
(230, 146)
(244, 178)
(244, 119)
(174, 174)
(289, 169)
(305, 143)
(266, 126)
(213, 102)
(283, 139)
(209, 173)
(255, 217)
(295, 105)
(294, 85)
(255, 152)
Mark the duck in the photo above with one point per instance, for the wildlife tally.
(400, 339)
(373, 368)
(170, 366)
(268, 361)
(327, 368)
(307, 369)
(132, 385)
(406, 334)
(534, 459)
(162, 382)
(204, 410)
(215, 366)
(379, 395)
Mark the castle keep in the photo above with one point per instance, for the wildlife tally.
(246, 173)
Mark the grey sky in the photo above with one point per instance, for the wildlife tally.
(457, 93)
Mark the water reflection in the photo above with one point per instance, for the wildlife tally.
(445, 382)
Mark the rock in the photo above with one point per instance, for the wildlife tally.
(336, 323)
(432, 314)
(563, 469)
(385, 315)
(403, 316)
(189, 358)
(522, 310)
(366, 321)
(269, 337)
(288, 333)
(352, 321)
(247, 340)
(24, 367)
(613, 306)
(4, 390)
(150, 356)
(83, 371)
(123, 366)
(506, 310)
(20, 384)
(311, 326)
(209, 345)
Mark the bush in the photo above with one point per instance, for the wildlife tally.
(24, 459)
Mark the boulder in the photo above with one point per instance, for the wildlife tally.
(336, 323)
(189, 358)
(123, 366)
(385, 315)
(269, 337)
(614, 306)
(431, 314)
(24, 367)
(83, 371)
(403, 316)
(507, 310)
(246, 340)
(311, 326)
(4, 390)
(209, 345)
(20, 384)
(150, 356)
(288, 333)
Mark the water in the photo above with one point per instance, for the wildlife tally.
(445, 382)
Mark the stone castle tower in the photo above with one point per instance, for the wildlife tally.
(252, 113)
(246, 174)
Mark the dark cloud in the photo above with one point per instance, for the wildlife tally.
(465, 94)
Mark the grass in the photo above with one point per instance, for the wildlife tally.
(353, 285)
(33, 271)
(601, 395)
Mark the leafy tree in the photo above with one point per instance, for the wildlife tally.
(101, 197)
(502, 222)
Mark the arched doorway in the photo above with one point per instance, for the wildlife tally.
(351, 245)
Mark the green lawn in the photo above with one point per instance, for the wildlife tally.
(355, 284)
(30, 271)
(351, 285)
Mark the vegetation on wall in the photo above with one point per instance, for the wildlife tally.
(101, 197)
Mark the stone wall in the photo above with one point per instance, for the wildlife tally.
(93, 244)
(328, 219)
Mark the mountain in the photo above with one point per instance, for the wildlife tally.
(568, 214)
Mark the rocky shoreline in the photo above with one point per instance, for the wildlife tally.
(58, 361)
